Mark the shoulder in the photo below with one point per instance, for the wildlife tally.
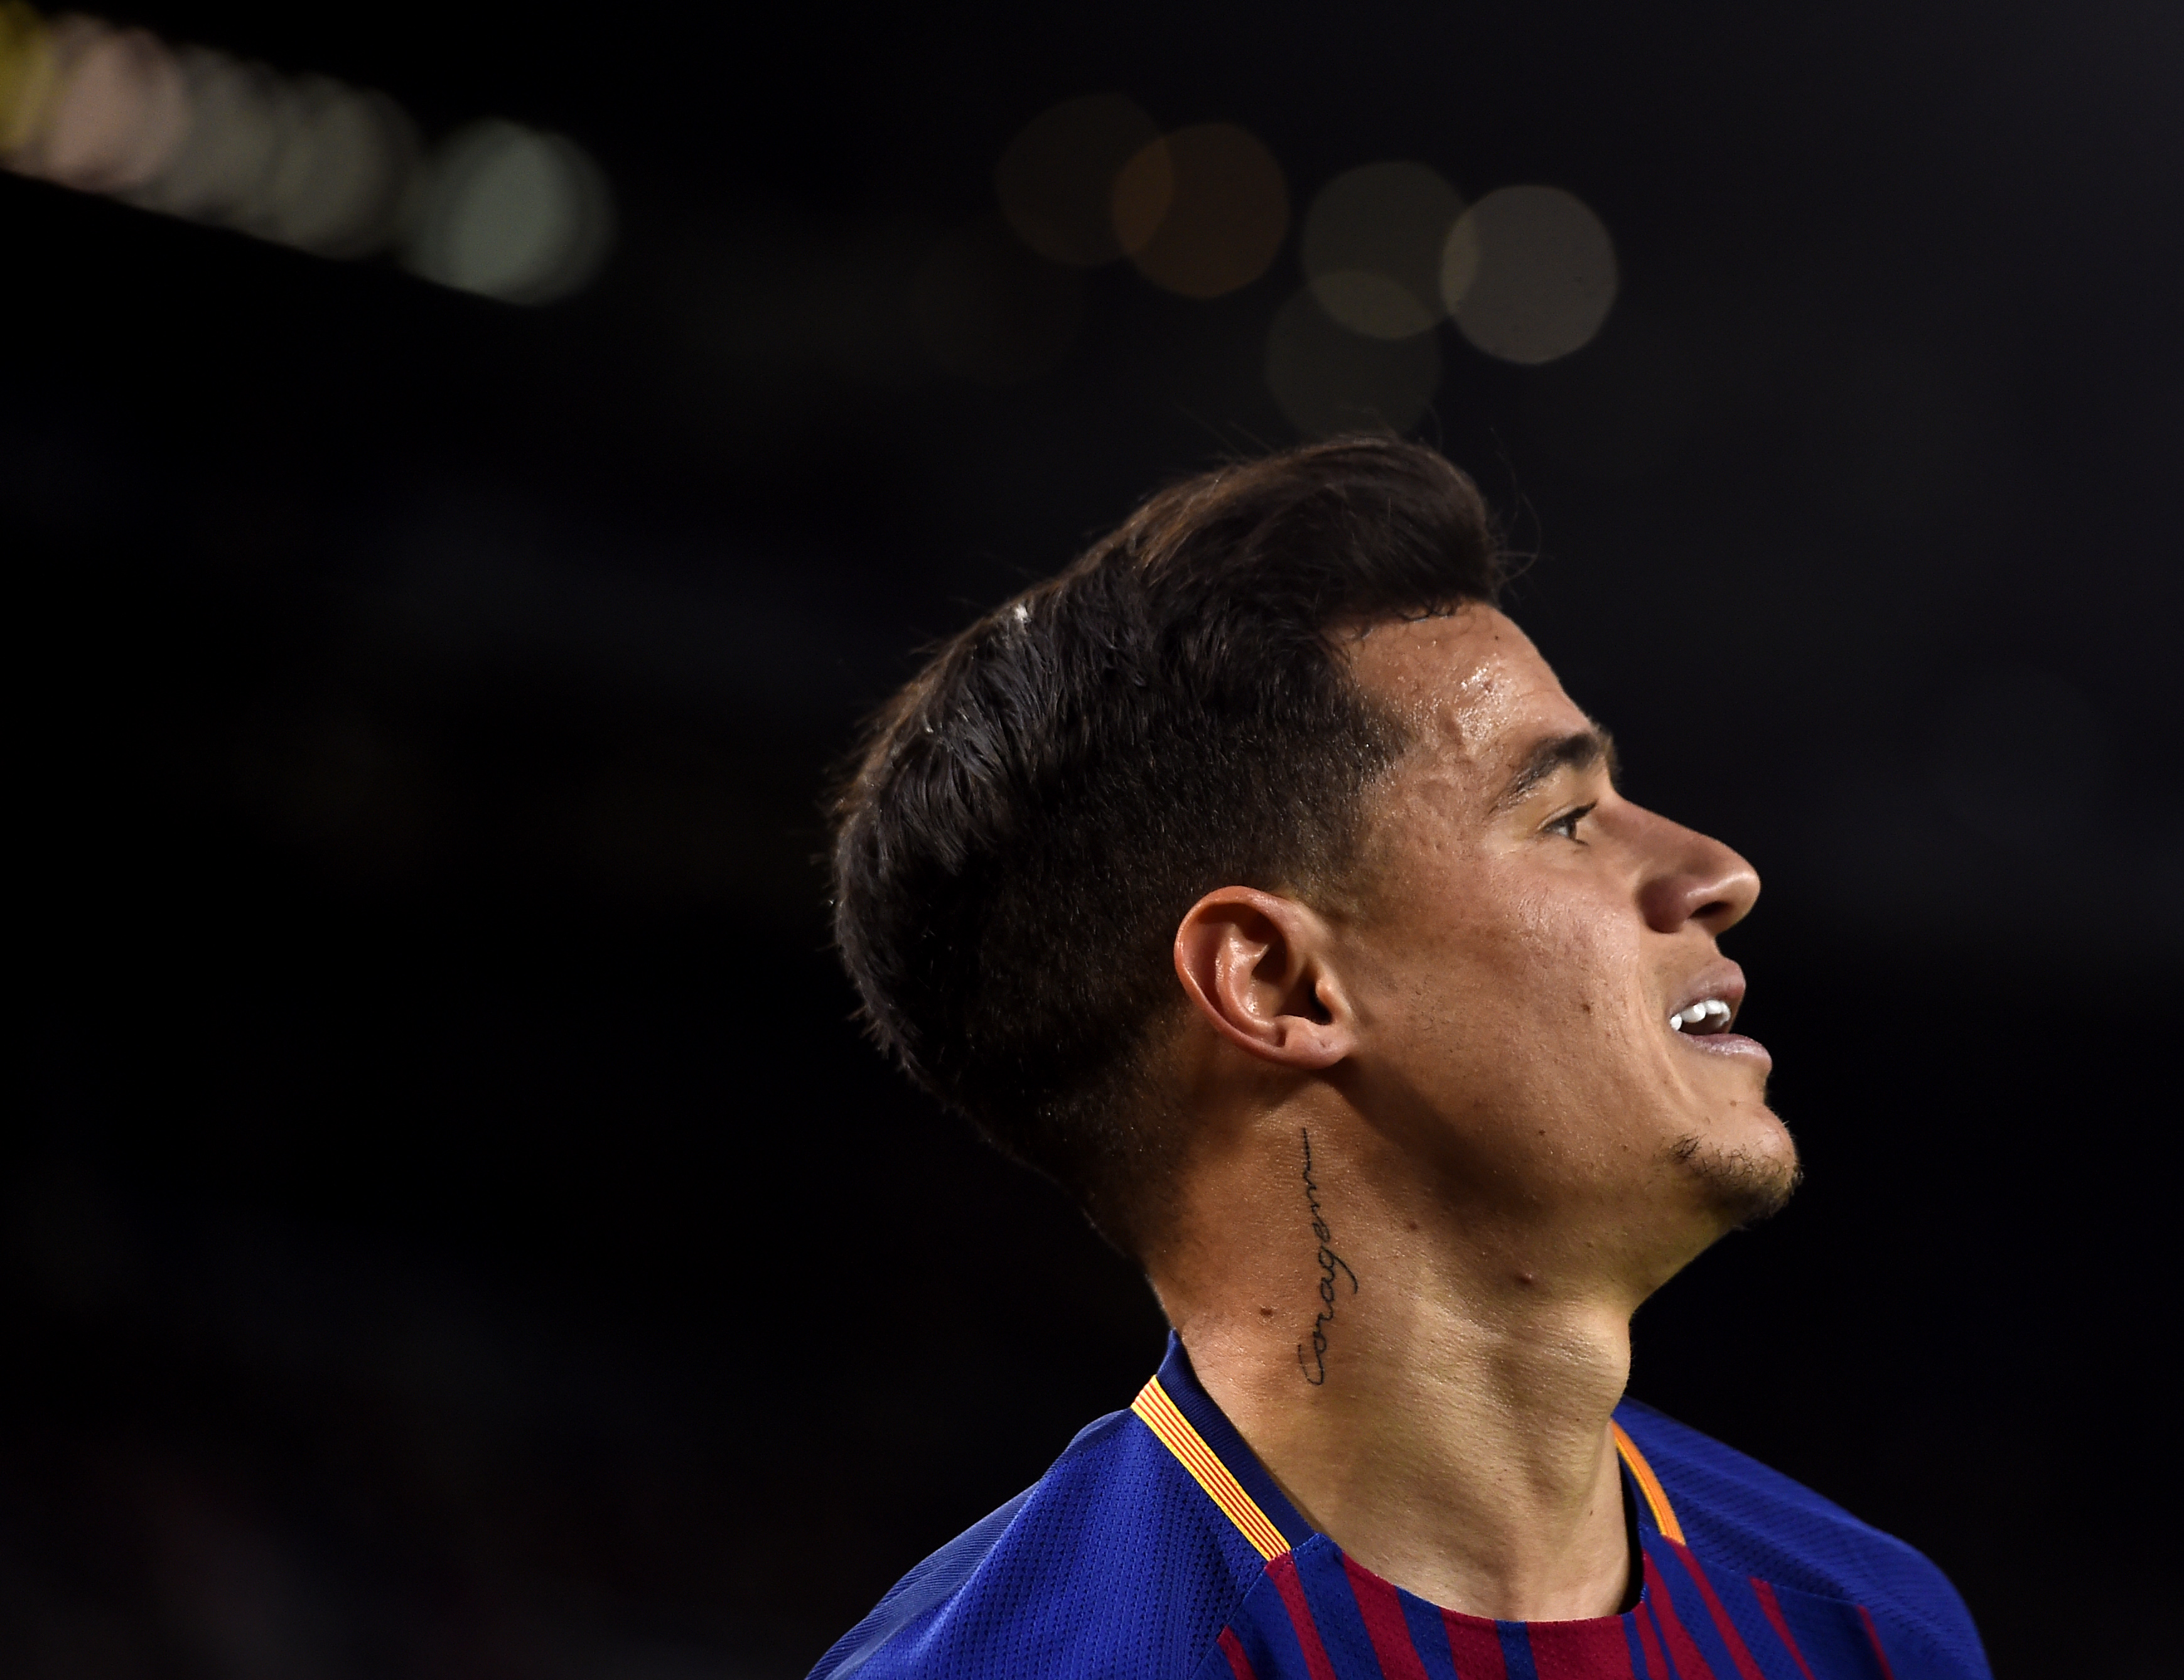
(1737, 1511)
(1114, 1563)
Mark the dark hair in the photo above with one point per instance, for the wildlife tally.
(1034, 814)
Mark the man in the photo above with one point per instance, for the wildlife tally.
(1255, 879)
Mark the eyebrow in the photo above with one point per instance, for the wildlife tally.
(1583, 750)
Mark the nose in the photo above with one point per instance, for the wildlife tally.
(1692, 878)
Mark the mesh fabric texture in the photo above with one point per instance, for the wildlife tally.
(1116, 1562)
(1738, 1514)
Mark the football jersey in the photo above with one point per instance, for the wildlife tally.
(1157, 1546)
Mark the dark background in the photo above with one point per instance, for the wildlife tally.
(452, 1227)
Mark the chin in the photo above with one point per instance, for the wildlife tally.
(1744, 1179)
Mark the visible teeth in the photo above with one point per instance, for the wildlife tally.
(1706, 1008)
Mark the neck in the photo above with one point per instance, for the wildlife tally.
(1428, 1378)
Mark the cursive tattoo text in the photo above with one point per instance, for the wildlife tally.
(1330, 1263)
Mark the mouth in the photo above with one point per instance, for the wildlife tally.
(1706, 1019)
(1708, 1015)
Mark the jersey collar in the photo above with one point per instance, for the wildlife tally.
(1198, 1432)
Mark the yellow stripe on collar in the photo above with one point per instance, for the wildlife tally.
(1191, 1451)
(1656, 1497)
(1206, 1469)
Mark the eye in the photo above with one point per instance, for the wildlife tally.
(1566, 824)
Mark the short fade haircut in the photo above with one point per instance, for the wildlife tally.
(1032, 816)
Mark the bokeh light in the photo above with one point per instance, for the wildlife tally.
(304, 161)
(1529, 273)
(1139, 200)
(116, 110)
(26, 75)
(343, 175)
(988, 310)
(1203, 210)
(1327, 379)
(1373, 245)
(1056, 179)
(240, 125)
(512, 213)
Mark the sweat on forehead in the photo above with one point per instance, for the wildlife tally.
(1470, 681)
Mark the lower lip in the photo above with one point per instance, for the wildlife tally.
(1735, 1045)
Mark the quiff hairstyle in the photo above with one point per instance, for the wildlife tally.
(1032, 815)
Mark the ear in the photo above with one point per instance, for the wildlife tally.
(1254, 965)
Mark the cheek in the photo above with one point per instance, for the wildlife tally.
(1572, 958)
(1511, 979)
(1572, 1057)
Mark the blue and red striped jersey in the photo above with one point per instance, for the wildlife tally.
(1158, 1547)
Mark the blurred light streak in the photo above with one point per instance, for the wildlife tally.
(1372, 246)
(26, 75)
(1056, 179)
(1327, 379)
(1203, 210)
(116, 111)
(343, 177)
(220, 171)
(303, 161)
(1529, 273)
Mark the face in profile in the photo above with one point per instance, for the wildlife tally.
(1543, 1010)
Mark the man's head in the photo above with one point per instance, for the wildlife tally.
(1520, 989)
(1267, 774)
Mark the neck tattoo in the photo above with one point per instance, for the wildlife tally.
(1330, 1263)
